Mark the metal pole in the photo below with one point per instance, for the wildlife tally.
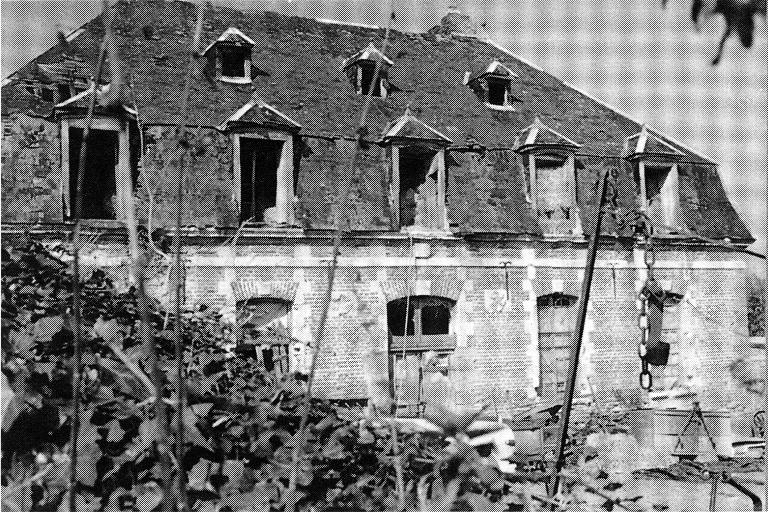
(578, 334)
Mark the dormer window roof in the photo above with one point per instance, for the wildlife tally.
(258, 113)
(231, 35)
(493, 85)
(361, 68)
(231, 54)
(646, 145)
(409, 127)
(540, 137)
(370, 53)
(79, 102)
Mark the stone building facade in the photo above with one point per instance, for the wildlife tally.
(464, 242)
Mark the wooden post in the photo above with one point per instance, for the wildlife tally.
(573, 365)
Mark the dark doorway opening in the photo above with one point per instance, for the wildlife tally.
(99, 177)
(259, 160)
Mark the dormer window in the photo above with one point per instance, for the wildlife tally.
(418, 175)
(262, 140)
(231, 56)
(493, 85)
(656, 178)
(361, 70)
(551, 178)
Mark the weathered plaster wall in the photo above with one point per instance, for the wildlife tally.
(31, 177)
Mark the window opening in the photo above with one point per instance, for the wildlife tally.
(264, 326)
(418, 188)
(46, 94)
(64, 92)
(259, 161)
(661, 194)
(420, 350)
(497, 91)
(367, 71)
(557, 322)
(233, 61)
(99, 179)
(553, 197)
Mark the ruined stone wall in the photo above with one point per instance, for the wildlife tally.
(31, 177)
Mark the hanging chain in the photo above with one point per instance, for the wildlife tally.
(649, 258)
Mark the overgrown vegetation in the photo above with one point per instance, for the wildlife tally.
(241, 422)
(756, 305)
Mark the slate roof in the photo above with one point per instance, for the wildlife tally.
(305, 57)
(307, 85)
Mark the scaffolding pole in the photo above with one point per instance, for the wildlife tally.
(573, 365)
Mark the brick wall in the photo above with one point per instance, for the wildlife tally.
(498, 335)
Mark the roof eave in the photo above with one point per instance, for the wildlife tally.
(533, 148)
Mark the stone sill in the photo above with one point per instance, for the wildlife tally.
(503, 108)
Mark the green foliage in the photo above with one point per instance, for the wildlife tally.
(756, 306)
(241, 423)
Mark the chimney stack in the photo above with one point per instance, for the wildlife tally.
(455, 22)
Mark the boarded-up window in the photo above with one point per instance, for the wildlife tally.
(264, 325)
(259, 162)
(420, 196)
(554, 199)
(557, 322)
(665, 377)
(421, 344)
(99, 177)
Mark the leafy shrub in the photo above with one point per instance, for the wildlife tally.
(241, 423)
(756, 306)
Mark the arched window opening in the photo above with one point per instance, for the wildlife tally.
(264, 332)
(557, 322)
(421, 344)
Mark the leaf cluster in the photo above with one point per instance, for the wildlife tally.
(241, 421)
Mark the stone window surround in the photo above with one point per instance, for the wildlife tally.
(285, 186)
(439, 160)
(98, 123)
